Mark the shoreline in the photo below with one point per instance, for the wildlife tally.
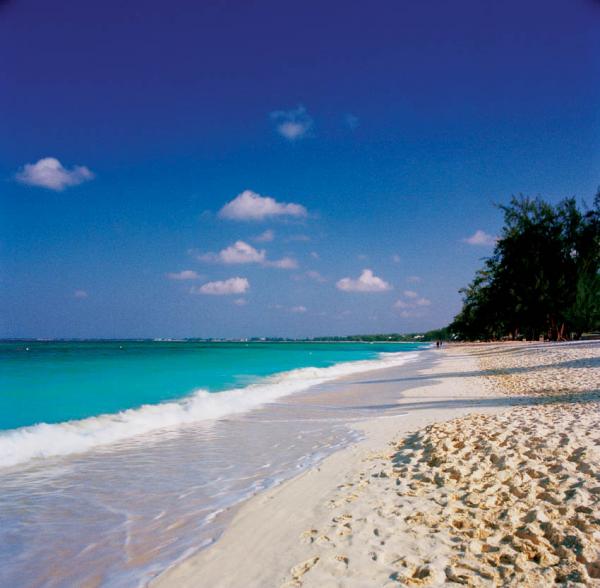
(491, 479)
(24, 444)
(275, 516)
(178, 488)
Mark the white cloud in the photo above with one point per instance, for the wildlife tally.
(294, 309)
(311, 275)
(292, 124)
(409, 311)
(301, 238)
(480, 237)
(283, 263)
(240, 302)
(366, 282)
(223, 287)
(315, 275)
(49, 173)
(80, 294)
(314, 255)
(352, 121)
(239, 252)
(183, 275)
(411, 307)
(250, 206)
(265, 237)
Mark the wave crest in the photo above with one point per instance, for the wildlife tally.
(51, 440)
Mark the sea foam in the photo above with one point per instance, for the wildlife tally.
(50, 440)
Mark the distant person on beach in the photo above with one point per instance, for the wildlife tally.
(437, 344)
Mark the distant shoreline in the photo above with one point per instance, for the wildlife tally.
(209, 341)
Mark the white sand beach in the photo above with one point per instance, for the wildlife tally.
(493, 478)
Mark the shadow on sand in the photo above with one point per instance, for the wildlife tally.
(592, 362)
(592, 395)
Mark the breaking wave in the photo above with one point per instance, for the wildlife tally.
(50, 440)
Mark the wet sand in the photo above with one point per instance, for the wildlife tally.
(492, 478)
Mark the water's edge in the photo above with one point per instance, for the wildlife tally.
(18, 446)
(123, 513)
(357, 435)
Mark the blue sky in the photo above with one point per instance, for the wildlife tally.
(361, 145)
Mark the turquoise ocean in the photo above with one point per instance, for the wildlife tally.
(106, 446)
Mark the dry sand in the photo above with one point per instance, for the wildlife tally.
(504, 496)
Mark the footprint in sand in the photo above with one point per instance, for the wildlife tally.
(299, 570)
(325, 541)
(342, 561)
(308, 536)
(344, 529)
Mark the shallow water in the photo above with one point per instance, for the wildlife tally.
(122, 512)
(60, 398)
(57, 381)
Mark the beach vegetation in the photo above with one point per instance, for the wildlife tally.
(542, 280)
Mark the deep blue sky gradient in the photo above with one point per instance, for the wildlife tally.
(459, 105)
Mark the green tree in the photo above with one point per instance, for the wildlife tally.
(542, 278)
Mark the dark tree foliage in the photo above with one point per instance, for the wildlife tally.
(437, 334)
(543, 277)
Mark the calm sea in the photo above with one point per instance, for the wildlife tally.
(119, 458)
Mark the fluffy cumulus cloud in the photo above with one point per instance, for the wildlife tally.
(250, 206)
(313, 275)
(316, 276)
(293, 309)
(352, 121)
(366, 282)
(298, 238)
(292, 124)
(480, 238)
(80, 294)
(49, 173)
(183, 275)
(223, 287)
(239, 252)
(283, 263)
(412, 305)
(265, 237)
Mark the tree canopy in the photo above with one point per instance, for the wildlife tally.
(543, 277)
